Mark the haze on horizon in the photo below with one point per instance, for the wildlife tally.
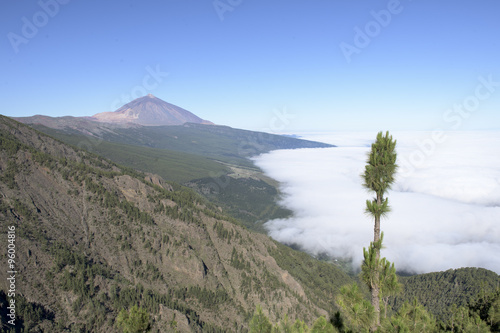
(287, 67)
(445, 202)
(280, 66)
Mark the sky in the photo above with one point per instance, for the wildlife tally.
(275, 66)
(346, 67)
(445, 201)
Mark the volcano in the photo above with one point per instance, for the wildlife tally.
(149, 111)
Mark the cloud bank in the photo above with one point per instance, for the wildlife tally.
(445, 202)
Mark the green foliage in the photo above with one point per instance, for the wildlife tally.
(379, 273)
(411, 318)
(371, 265)
(135, 320)
(10, 144)
(252, 201)
(82, 273)
(299, 327)
(389, 284)
(208, 298)
(357, 311)
(284, 326)
(318, 278)
(150, 300)
(28, 314)
(494, 314)
(9, 175)
(321, 325)
(373, 208)
(260, 323)
(193, 155)
(224, 233)
(464, 320)
(238, 261)
(378, 177)
(98, 293)
(440, 290)
(485, 310)
(381, 165)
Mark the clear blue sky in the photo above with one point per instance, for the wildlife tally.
(247, 61)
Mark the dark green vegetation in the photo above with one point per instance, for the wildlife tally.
(213, 160)
(249, 199)
(96, 239)
(171, 165)
(135, 320)
(222, 144)
(378, 274)
(357, 314)
(440, 290)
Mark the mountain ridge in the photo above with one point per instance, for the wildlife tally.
(97, 237)
(212, 159)
(150, 111)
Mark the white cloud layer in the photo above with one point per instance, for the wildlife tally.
(445, 202)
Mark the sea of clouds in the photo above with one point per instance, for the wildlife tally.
(445, 201)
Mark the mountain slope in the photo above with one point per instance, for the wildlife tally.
(149, 111)
(94, 238)
(214, 160)
(438, 291)
(220, 143)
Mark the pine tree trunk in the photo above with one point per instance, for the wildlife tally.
(376, 305)
(376, 228)
(376, 285)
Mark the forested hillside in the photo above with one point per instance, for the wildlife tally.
(97, 243)
(94, 238)
(213, 160)
(439, 291)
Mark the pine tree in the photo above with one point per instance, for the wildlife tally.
(412, 317)
(389, 284)
(299, 327)
(136, 320)
(260, 323)
(357, 311)
(370, 275)
(321, 325)
(494, 314)
(378, 177)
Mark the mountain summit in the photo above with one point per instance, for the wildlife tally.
(149, 111)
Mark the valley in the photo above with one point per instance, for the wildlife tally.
(235, 166)
(212, 159)
(169, 218)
